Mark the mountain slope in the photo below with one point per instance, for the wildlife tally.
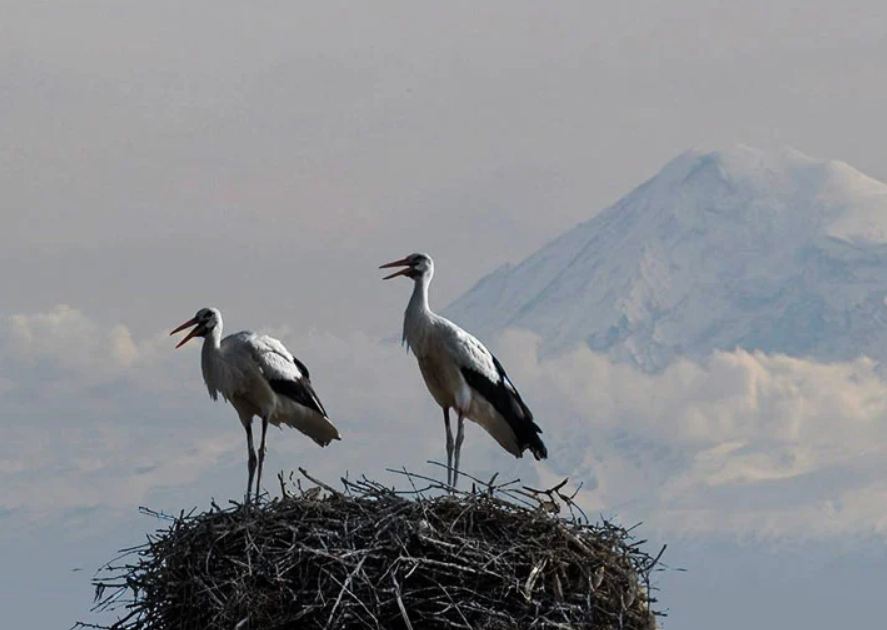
(762, 250)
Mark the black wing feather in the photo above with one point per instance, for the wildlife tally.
(300, 391)
(507, 401)
(302, 368)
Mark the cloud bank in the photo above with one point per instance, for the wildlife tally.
(752, 445)
(745, 443)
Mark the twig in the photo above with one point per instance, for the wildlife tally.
(403, 610)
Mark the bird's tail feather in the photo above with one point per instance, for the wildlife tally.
(316, 426)
(537, 447)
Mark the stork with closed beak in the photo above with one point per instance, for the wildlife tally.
(462, 374)
(259, 377)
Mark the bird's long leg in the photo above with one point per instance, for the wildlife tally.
(261, 457)
(251, 452)
(449, 446)
(460, 435)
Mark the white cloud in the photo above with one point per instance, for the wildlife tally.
(65, 338)
(744, 443)
(98, 418)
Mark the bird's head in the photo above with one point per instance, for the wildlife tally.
(415, 266)
(204, 321)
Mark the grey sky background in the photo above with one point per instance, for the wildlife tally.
(159, 157)
(196, 148)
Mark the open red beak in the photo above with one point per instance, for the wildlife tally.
(403, 262)
(190, 322)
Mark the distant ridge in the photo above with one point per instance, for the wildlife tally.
(769, 250)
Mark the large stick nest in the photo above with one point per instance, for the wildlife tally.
(494, 557)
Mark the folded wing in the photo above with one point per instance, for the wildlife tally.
(487, 378)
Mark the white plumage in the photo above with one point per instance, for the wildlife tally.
(259, 377)
(462, 374)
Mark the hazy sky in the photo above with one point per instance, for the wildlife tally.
(265, 158)
(166, 153)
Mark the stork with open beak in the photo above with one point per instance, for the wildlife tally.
(461, 374)
(259, 377)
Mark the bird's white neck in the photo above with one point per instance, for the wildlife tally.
(419, 299)
(417, 316)
(211, 344)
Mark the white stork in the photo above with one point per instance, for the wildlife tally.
(462, 374)
(259, 377)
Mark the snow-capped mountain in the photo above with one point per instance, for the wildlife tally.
(770, 250)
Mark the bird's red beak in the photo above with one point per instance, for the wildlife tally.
(403, 262)
(190, 322)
